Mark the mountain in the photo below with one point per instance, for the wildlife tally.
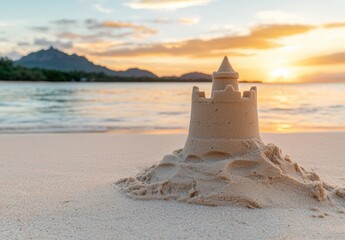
(196, 76)
(136, 72)
(57, 60)
(190, 77)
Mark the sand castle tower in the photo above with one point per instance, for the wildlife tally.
(219, 124)
(224, 160)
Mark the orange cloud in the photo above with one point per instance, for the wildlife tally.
(181, 20)
(260, 37)
(139, 30)
(334, 25)
(336, 58)
(189, 20)
(280, 30)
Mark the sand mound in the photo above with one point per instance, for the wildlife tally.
(260, 178)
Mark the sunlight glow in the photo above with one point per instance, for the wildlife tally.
(281, 73)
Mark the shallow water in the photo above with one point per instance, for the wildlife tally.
(74, 107)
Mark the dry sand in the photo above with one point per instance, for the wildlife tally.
(61, 186)
(259, 177)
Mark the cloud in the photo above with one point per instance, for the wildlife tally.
(3, 24)
(42, 42)
(102, 9)
(40, 29)
(98, 46)
(163, 20)
(189, 20)
(165, 4)
(64, 22)
(336, 58)
(182, 20)
(334, 25)
(279, 30)
(138, 30)
(23, 43)
(260, 37)
(119, 25)
(91, 23)
(92, 30)
(73, 36)
(91, 37)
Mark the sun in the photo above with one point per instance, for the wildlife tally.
(281, 73)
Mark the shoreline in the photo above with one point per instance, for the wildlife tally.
(174, 81)
(164, 131)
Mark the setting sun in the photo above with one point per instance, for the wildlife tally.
(281, 73)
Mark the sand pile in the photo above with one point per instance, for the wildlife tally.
(261, 177)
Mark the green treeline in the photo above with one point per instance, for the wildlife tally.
(12, 72)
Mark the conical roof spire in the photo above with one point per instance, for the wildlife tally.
(225, 70)
(225, 66)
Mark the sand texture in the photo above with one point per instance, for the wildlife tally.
(61, 186)
(262, 177)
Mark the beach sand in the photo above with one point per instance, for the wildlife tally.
(61, 186)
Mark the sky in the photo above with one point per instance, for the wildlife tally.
(266, 40)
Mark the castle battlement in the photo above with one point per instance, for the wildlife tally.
(228, 95)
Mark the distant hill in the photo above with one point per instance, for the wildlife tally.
(136, 72)
(190, 77)
(196, 75)
(54, 59)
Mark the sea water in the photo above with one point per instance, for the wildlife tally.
(103, 107)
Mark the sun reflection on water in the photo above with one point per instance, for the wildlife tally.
(159, 107)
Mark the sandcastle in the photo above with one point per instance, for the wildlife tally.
(224, 161)
(220, 123)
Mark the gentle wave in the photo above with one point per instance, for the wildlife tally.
(104, 107)
(81, 129)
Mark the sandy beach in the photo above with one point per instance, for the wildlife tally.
(172, 119)
(61, 186)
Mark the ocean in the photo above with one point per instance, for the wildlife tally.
(27, 107)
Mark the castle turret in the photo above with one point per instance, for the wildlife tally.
(225, 76)
(223, 122)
